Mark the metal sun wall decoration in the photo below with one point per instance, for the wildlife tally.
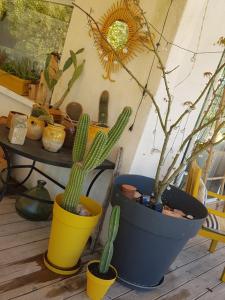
(121, 27)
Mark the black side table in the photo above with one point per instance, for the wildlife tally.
(35, 151)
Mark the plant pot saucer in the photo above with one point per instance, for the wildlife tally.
(61, 271)
(138, 286)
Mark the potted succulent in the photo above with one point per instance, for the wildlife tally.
(149, 239)
(52, 74)
(70, 230)
(16, 75)
(101, 274)
(36, 122)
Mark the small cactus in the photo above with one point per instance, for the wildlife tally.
(85, 161)
(107, 253)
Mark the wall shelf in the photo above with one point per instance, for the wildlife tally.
(16, 97)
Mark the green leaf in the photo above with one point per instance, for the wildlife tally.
(76, 74)
(47, 79)
(59, 74)
(80, 51)
(48, 59)
(67, 64)
(74, 58)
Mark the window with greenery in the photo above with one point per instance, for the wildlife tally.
(33, 28)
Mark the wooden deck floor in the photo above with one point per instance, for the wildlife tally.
(194, 275)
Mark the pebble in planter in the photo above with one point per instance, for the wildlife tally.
(100, 274)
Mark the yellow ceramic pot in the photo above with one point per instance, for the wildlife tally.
(35, 128)
(97, 287)
(69, 235)
(53, 137)
(93, 130)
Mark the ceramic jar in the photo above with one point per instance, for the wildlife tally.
(35, 128)
(53, 137)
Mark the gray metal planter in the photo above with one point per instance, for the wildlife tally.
(148, 241)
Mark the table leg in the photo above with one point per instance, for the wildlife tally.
(93, 181)
(5, 183)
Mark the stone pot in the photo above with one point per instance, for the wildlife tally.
(10, 116)
(35, 128)
(53, 137)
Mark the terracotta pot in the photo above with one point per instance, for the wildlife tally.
(10, 116)
(57, 114)
(70, 129)
(35, 128)
(14, 83)
(53, 137)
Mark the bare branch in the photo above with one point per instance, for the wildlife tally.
(199, 97)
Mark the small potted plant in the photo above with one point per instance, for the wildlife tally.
(17, 75)
(52, 74)
(70, 230)
(101, 274)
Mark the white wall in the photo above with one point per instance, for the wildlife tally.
(124, 91)
(187, 36)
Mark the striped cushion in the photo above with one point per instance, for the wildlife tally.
(215, 223)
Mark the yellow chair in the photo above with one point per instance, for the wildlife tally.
(192, 188)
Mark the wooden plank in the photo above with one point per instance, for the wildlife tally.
(13, 255)
(9, 218)
(20, 227)
(196, 287)
(22, 238)
(40, 283)
(7, 205)
(194, 241)
(177, 278)
(74, 288)
(216, 293)
(194, 253)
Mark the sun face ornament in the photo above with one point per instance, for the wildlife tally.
(120, 36)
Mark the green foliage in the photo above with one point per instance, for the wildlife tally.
(3, 57)
(3, 10)
(86, 160)
(38, 27)
(78, 69)
(107, 253)
(23, 68)
(42, 113)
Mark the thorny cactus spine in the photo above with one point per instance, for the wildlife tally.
(85, 162)
(108, 249)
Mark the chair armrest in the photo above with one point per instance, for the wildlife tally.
(214, 195)
(216, 212)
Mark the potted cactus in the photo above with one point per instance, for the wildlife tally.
(100, 274)
(70, 231)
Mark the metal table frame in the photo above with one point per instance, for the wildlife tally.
(15, 149)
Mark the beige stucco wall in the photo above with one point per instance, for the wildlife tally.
(124, 91)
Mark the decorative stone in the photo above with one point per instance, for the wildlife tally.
(18, 129)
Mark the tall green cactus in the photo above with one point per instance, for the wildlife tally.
(107, 253)
(85, 161)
